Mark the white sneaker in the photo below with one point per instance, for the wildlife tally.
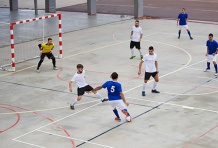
(207, 69)
(216, 74)
(37, 70)
(55, 68)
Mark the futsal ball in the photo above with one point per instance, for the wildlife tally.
(128, 119)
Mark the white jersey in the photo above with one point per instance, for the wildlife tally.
(79, 79)
(137, 31)
(150, 62)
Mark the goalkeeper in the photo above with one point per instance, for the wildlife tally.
(46, 49)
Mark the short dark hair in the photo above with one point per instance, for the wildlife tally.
(79, 66)
(114, 75)
(211, 34)
(151, 48)
(49, 39)
(137, 21)
(183, 8)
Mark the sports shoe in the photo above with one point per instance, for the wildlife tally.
(55, 68)
(154, 91)
(141, 56)
(178, 37)
(216, 74)
(207, 69)
(117, 119)
(132, 57)
(143, 93)
(37, 70)
(191, 38)
(103, 100)
(72, 107)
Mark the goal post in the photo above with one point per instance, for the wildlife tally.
(12, 38)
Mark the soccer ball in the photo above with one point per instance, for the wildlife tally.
(128, 119)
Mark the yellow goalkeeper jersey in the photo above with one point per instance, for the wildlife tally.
(47, 48)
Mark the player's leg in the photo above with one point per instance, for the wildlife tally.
(146, 78)
(138, 46)
(123, 108)
(89, 88)
(179, 32)
(156, 79)
(40, 61)
(209, 58)
(132, 44)
(188, 31)
(51, 56)
(215, 64)
(113, 105)
(80, 93)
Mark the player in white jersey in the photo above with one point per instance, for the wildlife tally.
(136, 37)
(79, 79)
(151, 69)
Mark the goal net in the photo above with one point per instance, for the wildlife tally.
(19, 40)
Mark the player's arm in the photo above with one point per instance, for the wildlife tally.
(177, 21)
(40, 47)
(141, 36)
(70, 86)
(156, 65)
(123, 98)
(207, 50)
(98, 88)
(131, 34)
(140, 67)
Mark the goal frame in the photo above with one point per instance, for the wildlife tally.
(12, 43)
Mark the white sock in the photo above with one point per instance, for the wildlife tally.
(140, 52)
(98, 95)
(143, 86)
(132, 51)
(154, 85)
(74, 102)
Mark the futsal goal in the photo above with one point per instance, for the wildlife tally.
(22, 42)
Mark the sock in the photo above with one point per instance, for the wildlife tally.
(215, 66)
(125, 112)
(154, 85)
(98, 95)
(143, 86)
(140, 52)
(179, 32)
(74, 102)
(208, 65)
(132, 52)
(116, 113)
(189, 33)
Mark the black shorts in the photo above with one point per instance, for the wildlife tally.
(82, 90)
(149, 74)
(135, 44)
(49, 55)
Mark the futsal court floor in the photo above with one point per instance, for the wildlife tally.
(34, 107)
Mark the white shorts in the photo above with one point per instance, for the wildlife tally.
(118, 104)
(211, 57)
(183, 27)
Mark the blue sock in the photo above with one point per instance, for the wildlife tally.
(179, 32)
(215, 66)
(208, 65)
(189, 33)
(126, 112)
(116, 113)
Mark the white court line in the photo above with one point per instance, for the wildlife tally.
(29, 144)
(75, 139)
(172, 104)
(207, 78)
(56, 121)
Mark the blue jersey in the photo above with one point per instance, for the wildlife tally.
(212, 46)
(182, 18)
(114, 89)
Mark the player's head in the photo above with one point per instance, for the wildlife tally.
(183, 10)
(49, 41)
(136, 23)
(79, 68)
(114, 76)
(210, 36)
(151, 50)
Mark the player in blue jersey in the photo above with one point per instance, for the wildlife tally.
(212, 50)
(182, 19)
(115, 96)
